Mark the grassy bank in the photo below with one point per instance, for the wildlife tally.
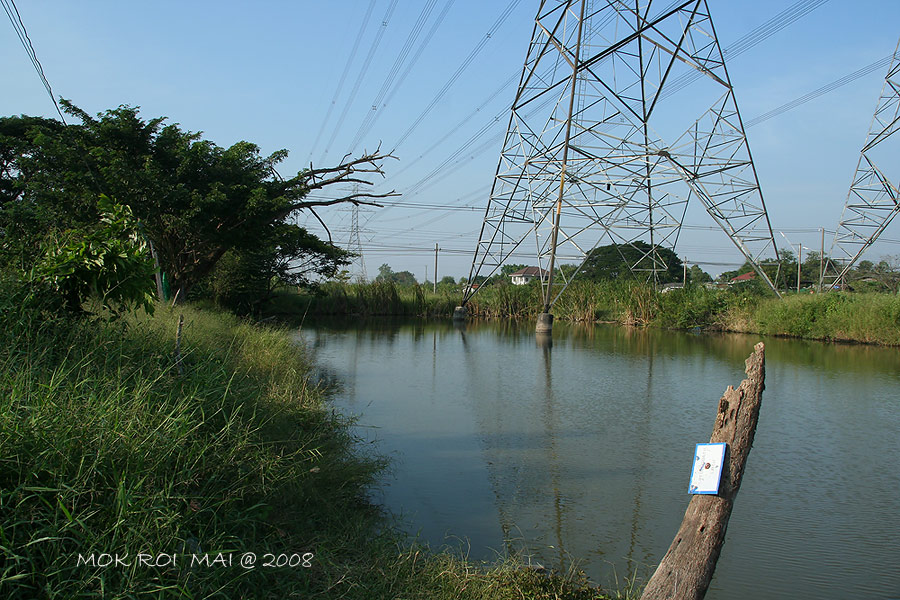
(106, 448)
(869, 318)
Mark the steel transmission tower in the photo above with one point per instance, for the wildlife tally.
(873, 201)
(602, 147)
(354, 245)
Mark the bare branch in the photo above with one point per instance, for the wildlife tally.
(319, 219)
(352, 198)
(366, 163)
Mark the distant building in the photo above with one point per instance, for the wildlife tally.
(745, 277)
(523, 276)
(668, 287)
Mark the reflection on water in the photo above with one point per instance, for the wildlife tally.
(579, 448)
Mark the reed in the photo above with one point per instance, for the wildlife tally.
(106, 448)
(869, 317)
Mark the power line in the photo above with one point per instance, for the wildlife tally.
(875, 66)
(388, 87)
(340, 86)
(471, 57)
(12, 11)
(749, 40)
(368, 61)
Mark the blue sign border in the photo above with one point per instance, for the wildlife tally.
(693, 491)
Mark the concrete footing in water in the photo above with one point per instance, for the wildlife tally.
(543, 340)
(544, 323)
(460, 313)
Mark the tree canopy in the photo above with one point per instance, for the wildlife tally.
(195, 201)
(616, 261)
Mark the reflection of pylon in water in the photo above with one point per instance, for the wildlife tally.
(596, 152)
(873, 201)
(355, 246)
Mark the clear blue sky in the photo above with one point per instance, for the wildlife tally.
(268, 72)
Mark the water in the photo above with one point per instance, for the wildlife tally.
(581, 452)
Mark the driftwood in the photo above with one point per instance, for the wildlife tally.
(687, 568)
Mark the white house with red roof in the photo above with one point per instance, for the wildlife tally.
(523, 276)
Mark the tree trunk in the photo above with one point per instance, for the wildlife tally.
(687, 568)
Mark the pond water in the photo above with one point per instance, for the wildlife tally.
(580, 452)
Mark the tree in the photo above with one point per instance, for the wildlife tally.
(107, 261)
(698, 275)
(616, 261)
(386, 274)
(244, 279)
(195, 200)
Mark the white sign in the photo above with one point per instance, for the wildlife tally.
(707, 470)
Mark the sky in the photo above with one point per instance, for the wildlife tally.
(305, 76)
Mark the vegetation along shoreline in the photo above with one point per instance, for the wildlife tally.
(867, 318)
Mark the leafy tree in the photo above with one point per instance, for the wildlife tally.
(108, 261)
(244, 279)
(386, 274)
(195, 200)
(698, 275)
(616, 261)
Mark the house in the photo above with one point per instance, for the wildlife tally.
(668, 287)
(523, 276)
(741, 278)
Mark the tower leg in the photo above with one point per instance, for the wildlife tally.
(544, 323)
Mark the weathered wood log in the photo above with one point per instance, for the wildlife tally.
(687, 568)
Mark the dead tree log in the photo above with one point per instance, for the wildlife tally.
(687, 568)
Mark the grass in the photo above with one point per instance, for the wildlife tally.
(869, 318)
(106, 448)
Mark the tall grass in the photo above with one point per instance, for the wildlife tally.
(106, 448)
(870, 318)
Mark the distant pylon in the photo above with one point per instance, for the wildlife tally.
(873, 201)
(355, 246)
(584, 160)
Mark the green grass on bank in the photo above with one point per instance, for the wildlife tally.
(861, 317)
(106, 448)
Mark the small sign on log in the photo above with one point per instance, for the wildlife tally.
(707, 470)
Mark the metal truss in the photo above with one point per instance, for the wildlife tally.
(873, 201)
(584, 160)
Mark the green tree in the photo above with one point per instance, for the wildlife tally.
(385, 273)
(698, 275)
(617, 261)
(195, 200)
(108, 261)
(244, 279)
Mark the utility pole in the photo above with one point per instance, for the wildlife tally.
(799, 262)
(821, 260)
(684, 277)
(435, 267)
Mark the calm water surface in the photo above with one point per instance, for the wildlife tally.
(581, 452)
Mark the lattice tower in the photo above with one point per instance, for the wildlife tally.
(603, 146)
(873, 200)
(354, 245)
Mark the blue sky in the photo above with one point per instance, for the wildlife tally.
(268, 72)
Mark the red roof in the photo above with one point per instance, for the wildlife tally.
(745, 277)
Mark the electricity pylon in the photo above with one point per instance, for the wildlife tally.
(354, 245)
(873, 201)
(586, 157)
